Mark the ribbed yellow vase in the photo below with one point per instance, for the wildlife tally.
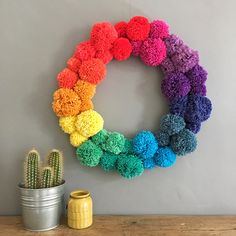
(80, 210)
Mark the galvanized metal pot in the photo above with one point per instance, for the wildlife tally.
(42, 208)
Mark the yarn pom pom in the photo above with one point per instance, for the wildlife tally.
(89, 123)
(153, 52)
(184, 142)
(67, 78)
(108, 161)
(76, 139)
(67, 124)
(158, 29)
(92, 71)
(103, 35)
(105, 56)
(100, 137)
(175, 84)
(149, 163)
(136, 47)
(121, 49)
(86, 105)
(89, 154)
(163, 139)
(66, 102)
(84, 89)
(84, 51)
(173, 43)
(74, 64)
(165, 157)
(128, 147)
(178, 106)
(172, 124)
(129, 166)
(167, 66)
(114, 143)
(121, 28)
(138, 28)
(145, 145)
(194, 127)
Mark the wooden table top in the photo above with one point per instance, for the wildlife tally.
(143, 225)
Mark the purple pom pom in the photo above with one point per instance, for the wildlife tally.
(179, 105)
(136, 46)
(158, 29)
(194, 127)
(167, 66)
(173, 43)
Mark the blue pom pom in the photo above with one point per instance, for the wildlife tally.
(165, 157)
(149, 163)
(163, 139)
(145, 145)
(184, 142)
(172, 124)
(108, 161)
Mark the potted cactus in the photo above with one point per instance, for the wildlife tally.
(42, 193)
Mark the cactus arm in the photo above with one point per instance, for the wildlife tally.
(46, 177)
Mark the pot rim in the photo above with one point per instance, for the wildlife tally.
(80, 193)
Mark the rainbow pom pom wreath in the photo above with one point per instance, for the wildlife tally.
(183, 86)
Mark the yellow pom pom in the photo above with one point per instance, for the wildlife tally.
(67, 124)
(76, 139)
(89, 123)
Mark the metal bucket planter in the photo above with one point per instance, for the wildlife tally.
(42, 208)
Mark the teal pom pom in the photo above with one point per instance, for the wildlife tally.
(184, 142)
(128, 147)
(145, 144)
(100, 137)
(165, 157)
(108, 161)
(89, 154)
(114, 143)
(129, 166)
(172, 124)
(163, 139)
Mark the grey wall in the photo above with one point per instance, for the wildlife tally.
(37, 37)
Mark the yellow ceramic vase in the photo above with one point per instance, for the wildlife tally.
(80, 210)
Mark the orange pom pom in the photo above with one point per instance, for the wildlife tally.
(86, 105)
(84, 89)
(74, 64)
(67, 78)
(66, 102)
(93, 71)
(105, 56)
(84, 51)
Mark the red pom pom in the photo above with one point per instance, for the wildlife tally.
(105, 56)
(103, 35)
(92, 71)
(74, 64)
(67, 78)
(121, 49)
(138, 28)
(121, 28)
(84, 51)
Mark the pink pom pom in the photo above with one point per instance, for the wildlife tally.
(121, 49)
(136, 46)
(105, 56)
(84, 51)
(121, 28)
(67, 78)
(153, 52)
(74, 64)
(158, 29)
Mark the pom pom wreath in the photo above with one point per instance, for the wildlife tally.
(103, 35)
(84, 89)
(173, 43)
(163, 139)
(121, 49)
(92, 71)
(108, 161)
(129, 166)
(121, 28)
(183, 142)
(76, 139)
(67, 78)
(153, 52)
(84, 51)
(194, 127)
(149, 163)
(158, 29)
(100, 137)
(89, 123)
(175, 84)
(86, 105)
(66, 102)
(172, 124)
(74, 64)
(136, 47)
(105, 56)
(138, 28)
(114, 143)
(128, 147)
(89, 154)
(165, 157)
(67, 124)
(145, 145)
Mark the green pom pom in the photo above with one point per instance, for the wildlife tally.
(108, 161)
(100, 137)
(89, 154)
(114, 143)
(129, 166)
(128, 147)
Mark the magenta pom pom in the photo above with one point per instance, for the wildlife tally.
(158, 29)
(136, 47)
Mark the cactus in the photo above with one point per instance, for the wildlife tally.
(55, 161)
(46, 180)
(31, 169)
